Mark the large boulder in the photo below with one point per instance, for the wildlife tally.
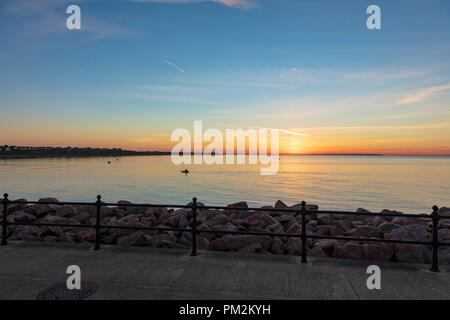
(293, 246)
(237, 242)
(21, 216)
(414, 232)
(137, 238)
(86, 235)
(276, 247)
(66, 211)
(323, 248)
(410, 253)
(379, 251)
(387, 227)
(349, 250)
(14, 207)
(41, 210)
(365, 232)
(252, 248)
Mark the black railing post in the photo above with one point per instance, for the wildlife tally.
(98, 204)
(435, 262)
(194, 227)
(4, 221)
(304, 260)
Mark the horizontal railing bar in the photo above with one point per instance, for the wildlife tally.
(368, 239)
(43, 224)
(288, 210)
(253, 233)
(293, 235)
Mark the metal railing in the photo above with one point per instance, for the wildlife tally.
(434, 216)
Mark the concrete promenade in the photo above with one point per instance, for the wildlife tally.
(26, 268)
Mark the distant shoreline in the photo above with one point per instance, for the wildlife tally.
(33, 154)
(85, 153)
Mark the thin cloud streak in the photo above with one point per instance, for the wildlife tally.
(424, 94)
(174, 65)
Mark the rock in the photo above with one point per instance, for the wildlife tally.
(170, 244)
(365, 232)
(387, 227)
(86, 235)
(280, 205)
(252, 248)
(295, 229)
(444, 255)
(245, 214)
(323, 248)
(82, 217)
(276, 247)
(169, 220)
(275, 228)
(110, 237)
(379, 251)
(444, 224)
(21, 216)
(414, 232)
(44, 209)
(349, 250)
(375, 221)
(444, 235)
(50, 239)
(202, 242)
(66, 211)
(14, 207)
(225, 227)
(284, 218)
(345, 225)
(293, 246)
(48, 200)
(183, 222)
(237, 242)
(363, 211)
(120, 204)
(219, 219)
(50, 231)
(157, 212)
(409, 253)
(291, 222)
(407, 221)
(323, 218)
(66, 237)
(443, 211)
(137, 238)
(135, 210)
(386, 212)
(242, 204)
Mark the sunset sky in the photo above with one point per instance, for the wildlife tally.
(137, 70)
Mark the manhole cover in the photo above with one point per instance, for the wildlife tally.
(60, 292)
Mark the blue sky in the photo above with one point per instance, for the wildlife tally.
(307, 66)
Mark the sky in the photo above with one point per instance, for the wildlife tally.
(139, 69)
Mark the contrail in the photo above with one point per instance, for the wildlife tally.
(173, 65)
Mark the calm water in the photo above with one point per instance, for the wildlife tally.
(409, 184)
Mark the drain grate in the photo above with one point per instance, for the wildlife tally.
(60, 292)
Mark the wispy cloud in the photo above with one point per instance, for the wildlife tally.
(173, 65)
(424, 94)
(241, 4)
(253, 127)
(48, 17)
